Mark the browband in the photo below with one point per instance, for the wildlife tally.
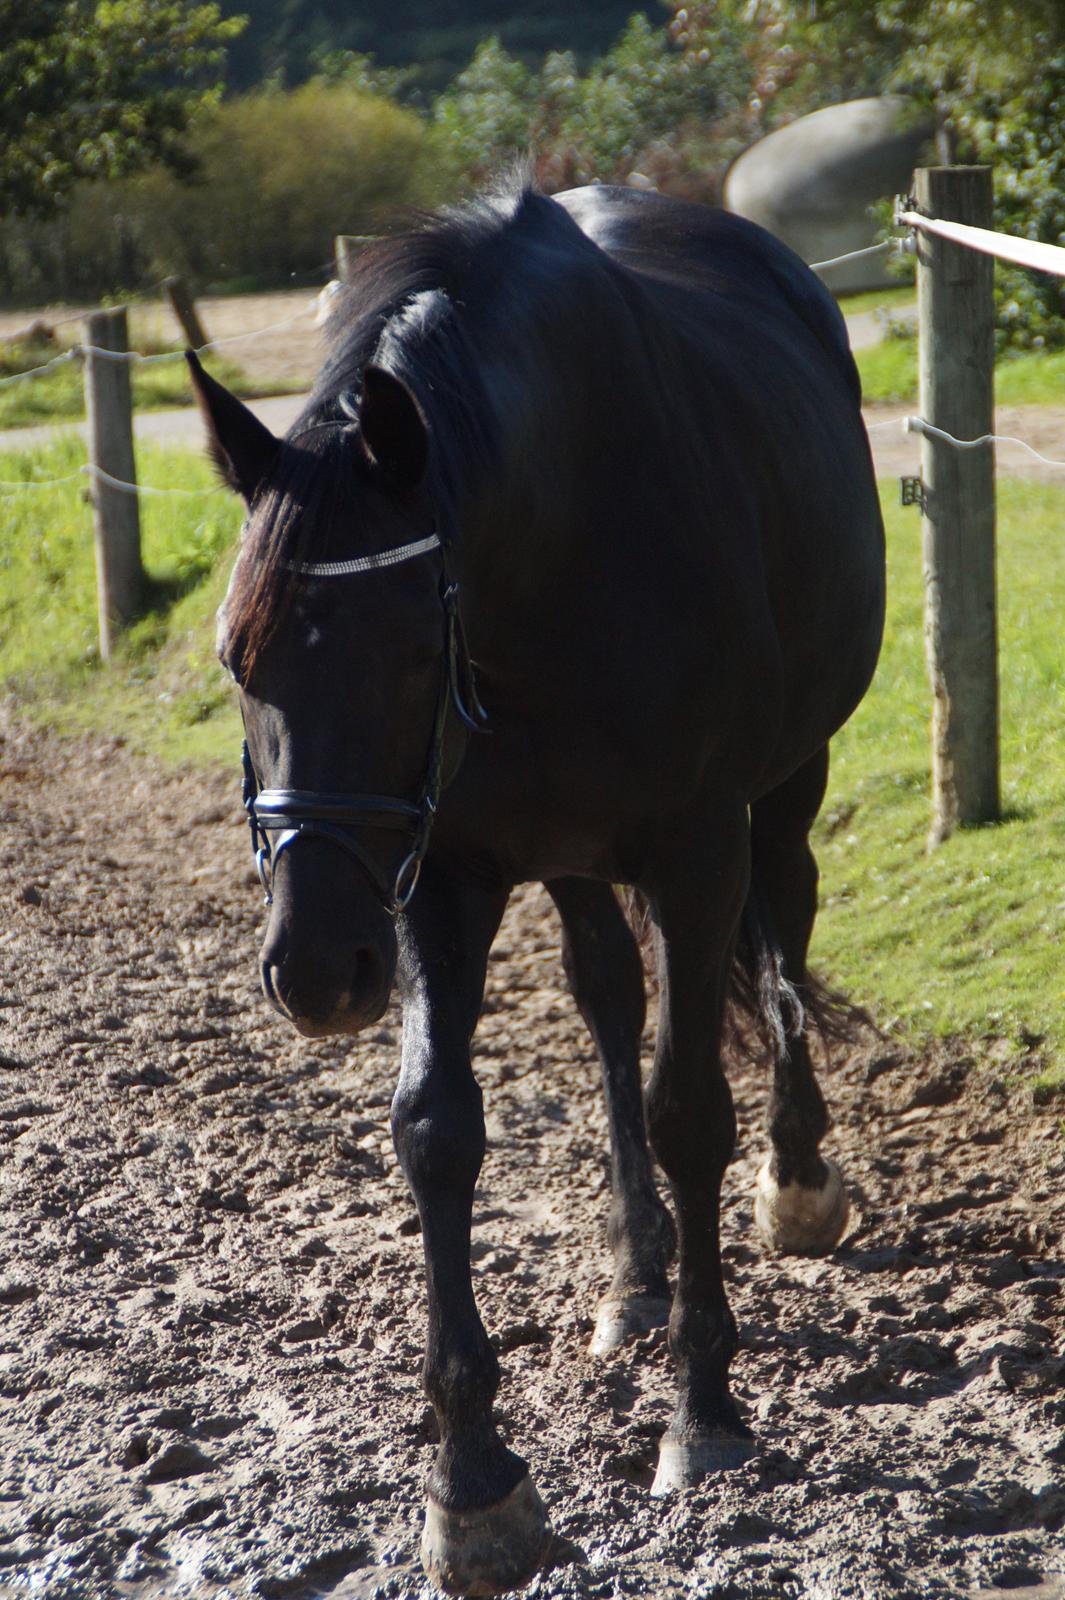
(383, 558)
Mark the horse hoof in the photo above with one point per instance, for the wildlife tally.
(488, 1551)
(684, 1463)
(622, 1317)
(794, 1221)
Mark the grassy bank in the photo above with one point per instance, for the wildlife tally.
(966, 940)
(165, 691)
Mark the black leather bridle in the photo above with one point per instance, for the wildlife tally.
(294, 814)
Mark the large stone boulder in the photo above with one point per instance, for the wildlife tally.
(813, 182)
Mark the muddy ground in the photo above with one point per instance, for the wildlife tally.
(211, 1307)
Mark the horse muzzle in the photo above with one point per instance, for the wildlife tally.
(326, 968)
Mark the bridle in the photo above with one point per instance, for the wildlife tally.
(294, 814)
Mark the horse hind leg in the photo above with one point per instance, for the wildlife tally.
(800, 1203)
(605, 975)
(696, 900)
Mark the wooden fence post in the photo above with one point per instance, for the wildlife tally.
(956, 319)
(184, 308)
(346, 247)
(116, 514)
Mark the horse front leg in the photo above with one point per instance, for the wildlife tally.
(486, 1530)
(697, 900)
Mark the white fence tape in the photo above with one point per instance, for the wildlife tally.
(919, 425)
(1022, 252)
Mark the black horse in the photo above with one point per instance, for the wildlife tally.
(614, 442)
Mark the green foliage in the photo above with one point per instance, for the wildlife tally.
(971, 61)
(287, 40)
(643, 99)
(361, 73)
(485, 118)
(1020, 132)
(97, 88)
(974, 62)
(276, 177)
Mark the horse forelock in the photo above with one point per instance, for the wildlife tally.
(287, 519)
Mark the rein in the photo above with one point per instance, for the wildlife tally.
(294, 814)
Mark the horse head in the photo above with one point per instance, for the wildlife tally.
(340, 629)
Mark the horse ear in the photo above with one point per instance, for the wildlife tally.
(240, 446)
(393, 428)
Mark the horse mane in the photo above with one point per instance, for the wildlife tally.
(404, 307)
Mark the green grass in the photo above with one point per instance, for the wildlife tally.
(1029, 378)
(897, 298)
(52, 396)
(164, 691)
(888, 371)
(965, 940)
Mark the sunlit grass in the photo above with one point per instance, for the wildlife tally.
(165, 692)
(1029, 378)
(968, 938)
(899, 297)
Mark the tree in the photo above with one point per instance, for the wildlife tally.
(435, 38)
(644, 104)
(99, 88)
(993, 71)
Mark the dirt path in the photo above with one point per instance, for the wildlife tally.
(291, 350)
(211, 1308)
(894, 450)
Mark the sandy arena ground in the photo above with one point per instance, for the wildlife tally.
(211, 1308)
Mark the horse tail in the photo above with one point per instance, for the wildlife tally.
(764, 1009)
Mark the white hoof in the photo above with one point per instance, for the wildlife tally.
(685, 1463)
(794, 1221)
(624, 1317)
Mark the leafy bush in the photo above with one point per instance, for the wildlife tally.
(1019, 133)
(277, 175)
(90, 90)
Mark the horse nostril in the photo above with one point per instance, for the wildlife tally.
(268, 975)
(367, 978)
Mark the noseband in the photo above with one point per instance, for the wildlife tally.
(294, 814)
